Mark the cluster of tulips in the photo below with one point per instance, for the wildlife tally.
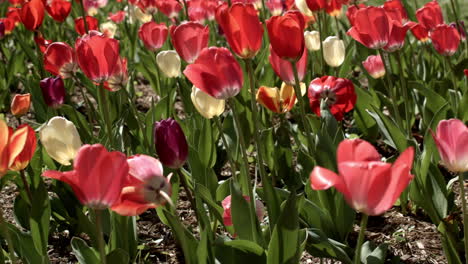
(269, 172)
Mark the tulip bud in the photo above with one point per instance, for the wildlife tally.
(207, 105)
(53, 91)
(374, 66)
(169, 63)
(312, 40)
(333, 51)
(60, 139)
(108, 28)
(20, 104)
(171, 145)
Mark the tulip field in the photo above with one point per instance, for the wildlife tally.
(233, 131)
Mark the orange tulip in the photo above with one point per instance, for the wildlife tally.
(20, 104)
(16, 147)
(278, 100)
(32, 14)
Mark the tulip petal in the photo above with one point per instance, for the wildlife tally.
(356, 150)
(322, 179)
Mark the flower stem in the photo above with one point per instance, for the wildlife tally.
(26, 186)
(228, 151)
(100, 236)
(103, 104)
(357, 255)
(6, 233)
(404, 90)
(322, 64)
(461, 179)
(390, 89)
(184, 182)
(83, 14)
(300, 98)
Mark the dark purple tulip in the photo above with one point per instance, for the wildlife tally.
(2, 29)
(53, 91)
(170, 142)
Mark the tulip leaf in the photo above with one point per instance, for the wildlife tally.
(185, 238)
(240, 213)
(84, 253)
(24, 246)
(118, 256)
(371, 254)
(319, 245)
(123, 235)
(206, 148)
(364, 121)
(205, 194)
(393, 135)
(238, 251)
(40, 219)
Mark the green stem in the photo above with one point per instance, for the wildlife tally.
(390, 88)
(322, 63)
(228, 151)
(404, 90)
(357, 255)
(100, 236)
(83, 14)
(26, 186)
(461, 179)
(184, 182)
(104, 105)
(246, 186)
(302, 104)
(6, 233)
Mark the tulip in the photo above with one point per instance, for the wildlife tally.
(284, 70)
(119, 78)
(374, 66)
(445, 39)
(145, 187)
(58, 9)
(333, 51)
(91, 21)
(302, 6)
(170, 8)
(21, 160)
(171, 145)
(395, 10)
(108, 28)
(338, 93)
(333, 7)
(12, 144)
(461, 29)
(32, 14)
(205, 104)
(242, 28)
(20, 104)
(41, 42)
(140, 15)
(117, 17)
(53, 91)
(351, 12)
(419, 31)
(450, 138)
(396, 39)
(60, 140)
(227, 217)
(312, 40)
(278, 100)
(14, 14)
(59, 59)
(430, 15)
(98, 56)
(92, 6)
(216, 72)
(275, 7)
(189, 39)
(371, 27)
(169, 63)
(2, 29)
(291, 25)
(316, 5)
(97, 178)
(369, 185)
(466, 72)
(153, 35)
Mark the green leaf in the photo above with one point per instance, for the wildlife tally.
(394, 136)
(24, 246)
(319, 245)
(40, 219)
(84, 253)
(118, 256)
(246, 246)
(185, 238)
(370, 254)
(205, 194)
(232, 252)
(240, 214)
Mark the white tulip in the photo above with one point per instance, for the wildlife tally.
(302, 6)
(169, 63)
(333, 51)
(205, 104)
(108, 28)
(60, 139)
(312, 40)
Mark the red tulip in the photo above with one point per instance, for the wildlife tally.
(201, 10)
(93, 24)
(316, 5)
(371, 27)
(275, 7)
(396, 39)
(445, 39)
(369, 185)
(216, 72)
(189, 39)
(97, 178)
(430, 15)
(41, 42)
(145, 186)
(117, 17)
(465, 72)
(227, 217)
(14, 14)
(21, 161)
(153, 35)
(395, 10)
(287, 35)
(451, 139)
(20, 104)
(119, 78)
(242, 28)
(58, 9)
(338, 92)
(374, 66)
(98, 56)
(148, 6)
(12, 144)
(59, 59)
(419, 31)
(8, 24)
(284, 70)
(170, 8)
(32, 14)
(351, 12)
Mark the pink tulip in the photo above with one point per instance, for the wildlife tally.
(374, 66)
(97, 177)
(227, 217)
(451, 139)
(189, 39)
(369, 185)
(283, 68)
(143, 186)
